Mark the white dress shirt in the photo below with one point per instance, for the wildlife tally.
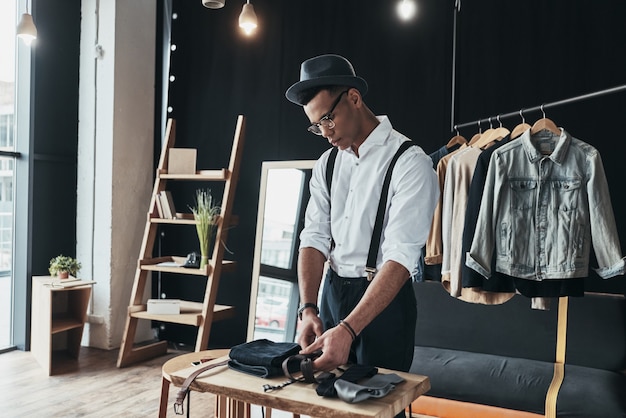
(356, 188)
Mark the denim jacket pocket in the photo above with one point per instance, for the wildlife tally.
(522, 194)
(566, 194)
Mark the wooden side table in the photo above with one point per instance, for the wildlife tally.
(223, 405)
(183, 362)
(299, 398)
(58, 319)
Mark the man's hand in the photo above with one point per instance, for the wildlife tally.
(311, 329)
(335, 345)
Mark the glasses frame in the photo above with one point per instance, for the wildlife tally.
(327, 120)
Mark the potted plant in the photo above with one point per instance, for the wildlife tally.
(206, 213)
(63, 266)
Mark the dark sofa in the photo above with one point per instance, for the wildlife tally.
(498, 360)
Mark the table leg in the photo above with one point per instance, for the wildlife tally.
(165, 388)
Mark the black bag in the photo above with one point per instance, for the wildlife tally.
(262, 358)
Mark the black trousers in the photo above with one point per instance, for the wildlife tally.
(388, 341)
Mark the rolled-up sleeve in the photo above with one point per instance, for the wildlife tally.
(415, 192)
(316, 232)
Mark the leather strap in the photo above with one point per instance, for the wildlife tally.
(184, 389)
(559, 365)
(370, 268)
(304, 364)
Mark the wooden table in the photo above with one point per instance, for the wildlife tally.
(298, 398)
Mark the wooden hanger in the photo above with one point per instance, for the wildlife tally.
(492, 135)
(544, 124)
(476, 136)
(485, 136)
(495, 135)
(456, 139)
(521, 128)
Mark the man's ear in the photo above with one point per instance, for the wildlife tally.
(354, 96)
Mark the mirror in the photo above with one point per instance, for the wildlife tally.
(283, 195)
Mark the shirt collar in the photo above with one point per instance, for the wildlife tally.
(559, 153)
(378, 136)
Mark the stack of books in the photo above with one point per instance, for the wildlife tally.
(165, 205)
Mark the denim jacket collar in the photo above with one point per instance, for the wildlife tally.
(559, 153)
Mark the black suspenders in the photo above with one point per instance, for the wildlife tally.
(370, 267)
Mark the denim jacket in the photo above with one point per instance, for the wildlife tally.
(546, 201)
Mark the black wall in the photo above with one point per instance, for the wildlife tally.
(221, 73)
(539, 52)
(509, 56)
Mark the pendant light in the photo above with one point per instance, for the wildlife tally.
(406, 9)
(26, 29)
(213, 4)
(247, 18)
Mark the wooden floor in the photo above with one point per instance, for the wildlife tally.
(92, 387)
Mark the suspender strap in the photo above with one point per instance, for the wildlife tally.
(559, 365)
(370, 267)
(330, 166)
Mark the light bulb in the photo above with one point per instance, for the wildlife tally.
(247, 19)
(26, 29)
(406, 9)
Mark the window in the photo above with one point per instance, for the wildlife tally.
(8, 21)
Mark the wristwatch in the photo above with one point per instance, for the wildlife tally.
(306, 306)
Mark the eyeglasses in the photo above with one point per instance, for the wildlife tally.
(327, 120)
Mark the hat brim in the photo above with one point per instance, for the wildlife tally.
(344, 80)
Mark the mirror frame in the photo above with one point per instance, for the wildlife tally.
(256, 266)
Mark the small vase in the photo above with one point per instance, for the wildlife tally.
(63, 275)
(204, 260)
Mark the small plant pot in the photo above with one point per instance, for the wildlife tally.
(63, 275)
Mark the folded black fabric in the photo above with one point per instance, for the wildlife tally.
(353, 374)
(262, 358)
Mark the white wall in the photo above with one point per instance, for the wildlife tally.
(115, 156)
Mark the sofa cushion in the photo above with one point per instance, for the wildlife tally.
(596, 332)
(519, 384)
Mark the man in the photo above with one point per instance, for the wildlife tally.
(361, 321)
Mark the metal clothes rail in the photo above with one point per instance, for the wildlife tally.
(544, 106)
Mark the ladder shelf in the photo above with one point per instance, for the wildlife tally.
(198, 314)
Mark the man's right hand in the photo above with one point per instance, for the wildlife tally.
(311, 328)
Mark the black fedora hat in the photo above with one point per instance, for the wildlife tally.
(326, 70)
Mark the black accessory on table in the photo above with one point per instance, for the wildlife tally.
(262, 358)
(352, 374)
(375, 387)
(299, 368)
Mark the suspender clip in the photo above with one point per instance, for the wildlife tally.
(371, 272)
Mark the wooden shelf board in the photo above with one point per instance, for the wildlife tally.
(201, 175)
(191, 313)
(150, 264)
(65, 324)
(187, 219)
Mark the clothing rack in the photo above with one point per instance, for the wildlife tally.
(545, 106)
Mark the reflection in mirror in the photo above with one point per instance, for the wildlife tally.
(283, 195)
